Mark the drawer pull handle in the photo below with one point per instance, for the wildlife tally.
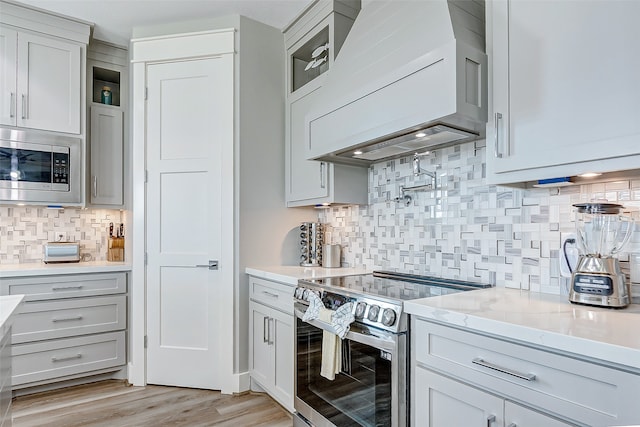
(490, 420)
(527, 377)
(269, 294)
(66, 319)
(66, 288)
(497, 152)
(512, 425)
(63, 358)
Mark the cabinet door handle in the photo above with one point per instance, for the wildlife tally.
(490, 420)
(12, 106)
(24, 106)
(63, 358)
(265, 329)
(527, 377)
(322, 181)
(269, 294)
(497, 153)
(66, 288)
(512, 425)
(95, 186)
(66, 319)
(271, 321)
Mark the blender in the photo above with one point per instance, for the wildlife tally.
(602, 232)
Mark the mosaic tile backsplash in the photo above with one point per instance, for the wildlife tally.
(466, 229)
(25, 229)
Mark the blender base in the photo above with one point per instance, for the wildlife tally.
(599, 301)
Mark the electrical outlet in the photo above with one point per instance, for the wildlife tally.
(58, 236)
(569, 254)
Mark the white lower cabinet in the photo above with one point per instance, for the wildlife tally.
(462, 378)
(5, 380)
(271, 339)
(520, 416)
(443, 402)
(70, 326)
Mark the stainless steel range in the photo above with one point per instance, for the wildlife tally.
(371, 387)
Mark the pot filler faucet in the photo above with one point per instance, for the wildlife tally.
(417, 171)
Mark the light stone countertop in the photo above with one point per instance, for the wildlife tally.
(611, 335)
(289, 274)
(8, 306)
(42, 269)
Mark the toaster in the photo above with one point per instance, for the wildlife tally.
(61, 252)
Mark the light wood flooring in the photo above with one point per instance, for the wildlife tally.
(114, 404)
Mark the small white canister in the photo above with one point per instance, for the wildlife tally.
(331, 256)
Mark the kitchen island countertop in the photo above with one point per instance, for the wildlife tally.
(544, 320)
(42, 269)
(290, 274)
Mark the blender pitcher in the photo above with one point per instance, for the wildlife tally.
(601, 233)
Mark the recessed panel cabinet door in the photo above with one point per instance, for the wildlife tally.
(443, 402)
(565, 84)
(189, 135)
(107, 156)
(518, 416)
(8, 58)
(49, 84)
(261, 352)
(307, 179)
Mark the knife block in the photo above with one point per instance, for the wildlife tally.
(115, 252)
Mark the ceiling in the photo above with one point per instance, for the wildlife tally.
(114, 19)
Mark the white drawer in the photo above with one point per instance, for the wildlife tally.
(572, 388)
(65, 286)
(57, 358)
(43, 320)
(273, 294)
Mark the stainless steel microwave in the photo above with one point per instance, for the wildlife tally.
(40, 168)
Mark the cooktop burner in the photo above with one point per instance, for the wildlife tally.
(377, 298)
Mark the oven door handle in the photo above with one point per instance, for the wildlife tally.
(385, 341)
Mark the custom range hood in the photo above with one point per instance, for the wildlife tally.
(410, 77)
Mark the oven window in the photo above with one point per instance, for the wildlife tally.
(359, 396)
(25, 165)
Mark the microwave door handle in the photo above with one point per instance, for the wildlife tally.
(370, 340)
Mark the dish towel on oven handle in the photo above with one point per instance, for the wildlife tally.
(341, 320)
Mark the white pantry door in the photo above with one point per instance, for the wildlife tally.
(189, 129)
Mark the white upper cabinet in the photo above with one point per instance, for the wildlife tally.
(46, 91)
(107, 156)
(107, 138)
(564, 90)
(43, 75)
(312, 42)
(9, 55)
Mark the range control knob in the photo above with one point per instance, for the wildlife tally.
(360, 308)
(298, 293)
(388, 317)
(305, 295)
(373, 313)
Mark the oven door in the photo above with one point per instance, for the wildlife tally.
(369, 391)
